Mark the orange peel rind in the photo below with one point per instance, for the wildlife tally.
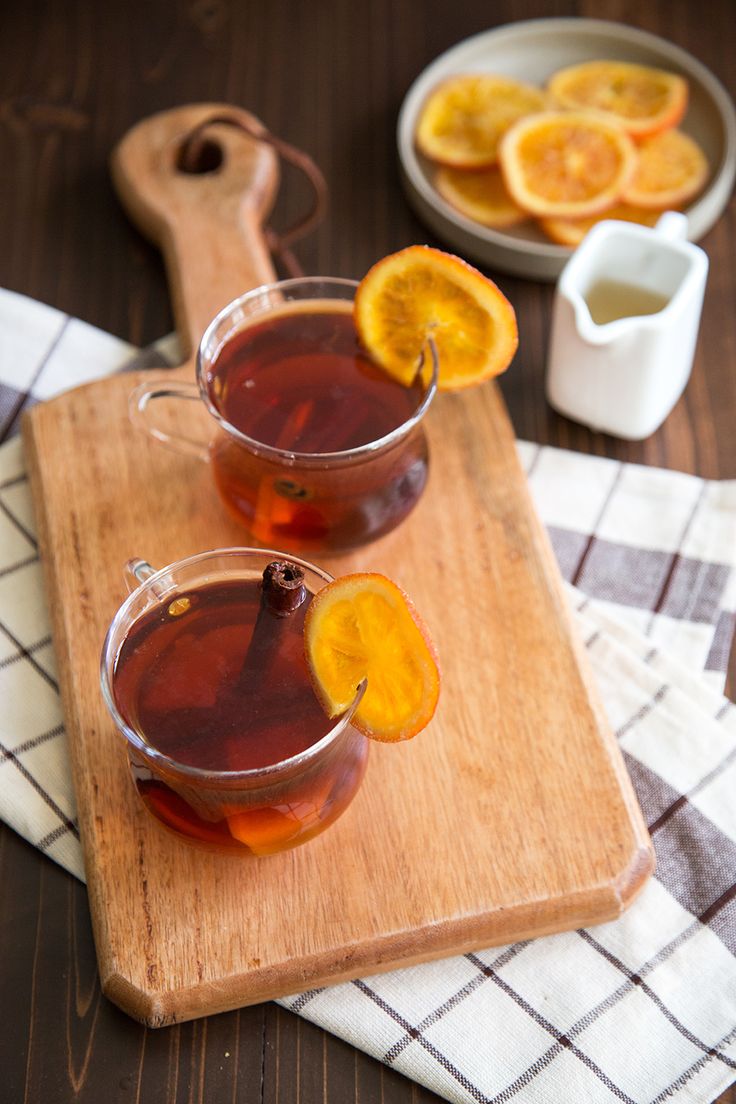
(464, 117)
(572, 231)
(481, 196)
(671, 170)
(363, 626)
(566, 164)
(641, 99)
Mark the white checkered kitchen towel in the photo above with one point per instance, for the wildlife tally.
(642, 1009)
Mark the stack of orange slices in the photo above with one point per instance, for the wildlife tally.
(600, 141)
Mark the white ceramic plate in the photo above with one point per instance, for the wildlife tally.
(532, 51)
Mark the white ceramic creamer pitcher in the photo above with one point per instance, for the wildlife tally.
(625, 324)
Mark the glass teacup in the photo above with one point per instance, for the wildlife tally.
(316, 448)
(227, 744)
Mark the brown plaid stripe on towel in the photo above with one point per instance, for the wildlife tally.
(642, 1009)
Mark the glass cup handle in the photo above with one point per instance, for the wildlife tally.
(136, 572)
(145, 393)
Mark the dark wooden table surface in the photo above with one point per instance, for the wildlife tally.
(329, 76)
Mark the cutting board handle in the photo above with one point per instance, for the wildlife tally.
(208, 223)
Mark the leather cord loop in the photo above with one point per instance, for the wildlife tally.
(192, 154)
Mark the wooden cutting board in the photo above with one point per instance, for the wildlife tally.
(510, 816)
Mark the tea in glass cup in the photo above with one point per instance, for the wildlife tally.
(203, 670)
(317, 447)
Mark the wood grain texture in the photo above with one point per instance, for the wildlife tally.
(511, 816)
(328, 76)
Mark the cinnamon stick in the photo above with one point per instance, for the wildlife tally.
(282, 593)
(282, 589)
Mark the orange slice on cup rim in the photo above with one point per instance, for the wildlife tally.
(572, 231)
(421, 294)
(641, 99)
(671, 170)
(464, 117)
(481, 196)
(566, 164)
(364, 627)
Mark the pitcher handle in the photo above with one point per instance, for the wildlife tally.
(145, 393)
(672, 226)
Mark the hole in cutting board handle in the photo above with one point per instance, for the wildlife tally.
(206, 157)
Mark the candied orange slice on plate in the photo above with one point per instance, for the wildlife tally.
(464, 117)
(363, 626)
(572, 231)
(481, 196)
(421, 293)
(566, 164)
(641, 99)
(671, 170)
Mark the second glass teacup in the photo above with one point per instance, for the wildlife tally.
(316, 448)
(203, 671)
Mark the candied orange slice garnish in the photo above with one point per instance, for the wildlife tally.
(642, 100)
(263, 830)
(481, 196)
(421, 293)
(572, 231)
(363, 626)
(464, 117)
(566, 164)
(268, 830)
(672, 169)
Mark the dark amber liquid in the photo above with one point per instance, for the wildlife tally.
(299, 381)
(209, 692)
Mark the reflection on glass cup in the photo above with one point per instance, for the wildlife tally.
(316, 448)
(207, 682)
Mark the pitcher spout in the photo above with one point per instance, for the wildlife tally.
(594, 333)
